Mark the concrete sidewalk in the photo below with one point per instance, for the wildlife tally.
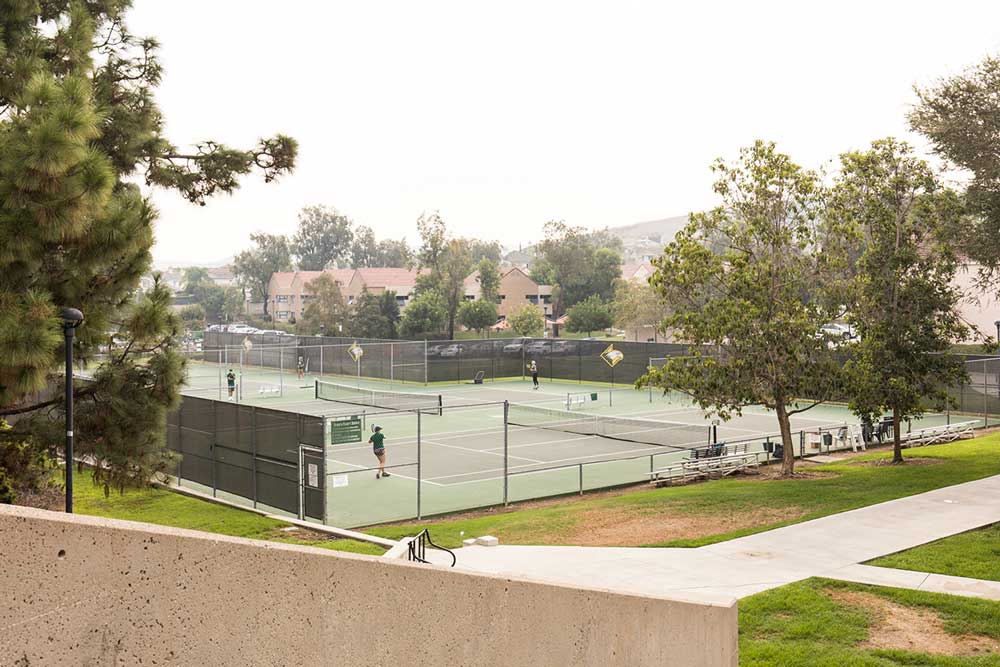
(755, 563)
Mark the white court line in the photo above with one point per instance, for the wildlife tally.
(639, 454)
(399, 475)
(478, 451)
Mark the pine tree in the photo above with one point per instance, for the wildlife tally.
(77, 125)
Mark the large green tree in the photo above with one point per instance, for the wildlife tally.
(322, 239)
(528, 320)
(589, 315)
(78, 127)
(573, 260)
(425, 315)
(636, 306)
(327, 309)
(903, 301)
(478, 315)
(753, 303)
(488, 277)
(447, 261)
(253, 267)
(960, 115)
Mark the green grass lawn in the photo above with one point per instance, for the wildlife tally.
(973, 554)
(166, 508)
(765, 504)
(822, 623)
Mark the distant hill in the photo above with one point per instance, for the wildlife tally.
(642, 240)
(660, 231)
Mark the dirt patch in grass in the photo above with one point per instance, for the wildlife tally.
(625, 527)
(46, 499)
(915, 629)
(301, 534)
(907, 461)
(773, 475)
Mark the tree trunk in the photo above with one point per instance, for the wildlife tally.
(788, 453)
(897, 445)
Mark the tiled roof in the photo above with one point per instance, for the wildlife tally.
(389, 277)
(629, 271)
(283, 278)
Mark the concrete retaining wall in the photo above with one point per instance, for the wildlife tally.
(80, 590)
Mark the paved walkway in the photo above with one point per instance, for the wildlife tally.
(755, 563)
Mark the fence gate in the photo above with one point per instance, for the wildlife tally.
(312, 483)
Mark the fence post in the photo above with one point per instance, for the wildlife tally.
(986, 409)
(650, 463)
(802, 444)
(506, 411)
(426, 379)
(253, 448)
(418, 464)
(180, 442)
(581, 479)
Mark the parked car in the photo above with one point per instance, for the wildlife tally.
(538, 347)
(563, 347)
(513, 348)
(435, 350)
(451, 350)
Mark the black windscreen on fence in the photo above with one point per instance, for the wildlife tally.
(437, 361)
(246, 451)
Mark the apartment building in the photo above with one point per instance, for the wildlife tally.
(288, 293)
(516, 289)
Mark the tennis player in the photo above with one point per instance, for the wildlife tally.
(377, 441)
(533, 369)
(302, 368)
(231, 383)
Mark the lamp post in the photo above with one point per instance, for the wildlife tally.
(997, 323)
(72, 318)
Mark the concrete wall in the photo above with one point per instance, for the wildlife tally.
(87, 591)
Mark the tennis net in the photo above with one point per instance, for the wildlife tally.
(646, 431)
(391, 400)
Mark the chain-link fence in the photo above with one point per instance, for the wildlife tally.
(271, 458)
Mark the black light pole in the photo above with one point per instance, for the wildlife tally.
(997, 323)
(72, 318)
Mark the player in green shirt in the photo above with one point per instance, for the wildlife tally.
(377, 441)
(231, 382)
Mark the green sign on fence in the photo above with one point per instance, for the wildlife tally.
(345, 430)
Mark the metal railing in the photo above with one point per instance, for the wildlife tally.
(418, 548)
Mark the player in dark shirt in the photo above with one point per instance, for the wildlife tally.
(377, 441)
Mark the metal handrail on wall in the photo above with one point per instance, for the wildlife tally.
(418, 548)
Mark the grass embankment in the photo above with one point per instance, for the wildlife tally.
(723, 509)
(166, 508)
(973, 554)
(821, 623)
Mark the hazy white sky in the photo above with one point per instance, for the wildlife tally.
(505, 115)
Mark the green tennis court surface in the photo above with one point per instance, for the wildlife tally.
(462, 458)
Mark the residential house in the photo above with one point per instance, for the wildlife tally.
(378, 280)
(637, 272)
(288, 292)
(515, 290)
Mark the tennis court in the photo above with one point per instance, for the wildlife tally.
(450, 448)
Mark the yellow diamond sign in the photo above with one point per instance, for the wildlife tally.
(355, 351)
(611, 356)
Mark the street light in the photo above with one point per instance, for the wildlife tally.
(997, 323)
(72, 318)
